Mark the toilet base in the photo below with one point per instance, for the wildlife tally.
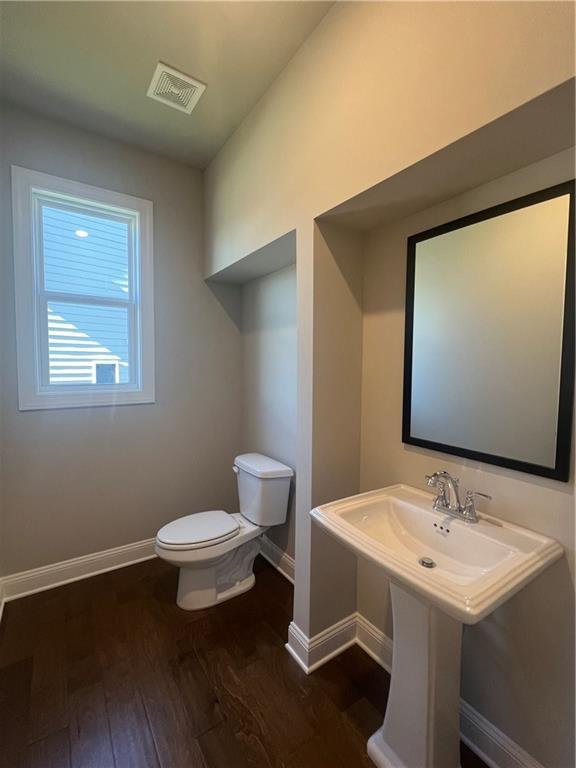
(224, 579)
(192, 600)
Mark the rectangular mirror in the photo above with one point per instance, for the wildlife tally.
(489, 344)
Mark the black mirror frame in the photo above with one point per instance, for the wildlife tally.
(561, 469)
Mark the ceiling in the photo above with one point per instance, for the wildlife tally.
(90, 64)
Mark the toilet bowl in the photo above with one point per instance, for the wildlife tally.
(215, 550)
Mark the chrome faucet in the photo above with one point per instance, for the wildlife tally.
(448, 498)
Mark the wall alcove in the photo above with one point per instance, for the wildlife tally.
(352, 333)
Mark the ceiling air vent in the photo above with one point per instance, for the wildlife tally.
(175, 89)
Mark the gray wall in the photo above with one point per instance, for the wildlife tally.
(336, 402)
(3, 207)
(81, 480)
(518, 664)
(269, 415)
(304, 149)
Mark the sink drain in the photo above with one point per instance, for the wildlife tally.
(427, 562)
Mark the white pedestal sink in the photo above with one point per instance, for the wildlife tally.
(444, 572)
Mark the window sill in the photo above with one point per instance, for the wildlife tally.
(53, 401)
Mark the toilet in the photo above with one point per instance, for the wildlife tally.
(215, 550)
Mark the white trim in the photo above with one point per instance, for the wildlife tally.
(278, 558)
(31, 297)
(313, 652)
(297, 646)
(48, 576)
(374, 642)
(495, 748)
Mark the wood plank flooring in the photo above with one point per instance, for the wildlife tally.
(109, 673)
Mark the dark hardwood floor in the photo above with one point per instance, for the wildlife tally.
(109, 673)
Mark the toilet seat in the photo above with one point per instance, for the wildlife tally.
(199, 530)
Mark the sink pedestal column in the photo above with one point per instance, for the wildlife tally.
(422, 724)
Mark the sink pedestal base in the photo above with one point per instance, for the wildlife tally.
(422, 724)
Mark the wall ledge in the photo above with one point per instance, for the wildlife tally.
(278, 254)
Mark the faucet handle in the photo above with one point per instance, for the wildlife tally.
(469, 511)
(471, 494)
(470, 507)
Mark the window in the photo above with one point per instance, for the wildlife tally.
(84, 294)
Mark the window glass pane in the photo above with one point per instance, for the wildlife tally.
(87, 344)
(85, 253)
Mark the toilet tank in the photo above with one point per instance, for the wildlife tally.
(263, 488)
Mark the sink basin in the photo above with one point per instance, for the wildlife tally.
(444, 573)
(477, 566)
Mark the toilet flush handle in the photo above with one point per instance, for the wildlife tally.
(235, 469)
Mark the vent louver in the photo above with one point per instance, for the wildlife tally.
(175, 89)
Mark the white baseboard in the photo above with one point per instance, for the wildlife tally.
(38, 579)
(54, 575)
(488, 742)
(277, 557)
(313, 652)
(374, 642)
(495, 748)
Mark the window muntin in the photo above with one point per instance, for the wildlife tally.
(88, 274)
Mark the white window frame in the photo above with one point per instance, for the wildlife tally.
(29, 190)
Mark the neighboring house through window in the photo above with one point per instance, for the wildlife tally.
(84, 294)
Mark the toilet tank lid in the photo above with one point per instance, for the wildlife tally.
(262, 466)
